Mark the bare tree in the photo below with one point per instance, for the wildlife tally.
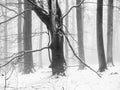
(80, 33)
(53, 21)
(28, 58)
(110, 34)
(100, 44)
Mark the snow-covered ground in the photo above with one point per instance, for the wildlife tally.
(74, 80)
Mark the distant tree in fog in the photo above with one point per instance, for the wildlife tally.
(100, 44)
(20, 36)
(27, 30)
(5, 33)
(79, 14)
(67, 25)
(110, 33)
(40, 43)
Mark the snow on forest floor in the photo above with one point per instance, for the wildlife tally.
(74, 80)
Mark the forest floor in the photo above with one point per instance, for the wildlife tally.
(74, 80)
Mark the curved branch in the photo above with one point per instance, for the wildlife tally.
(72, 8)
(8, 8)
(14, 16)
(23, 53)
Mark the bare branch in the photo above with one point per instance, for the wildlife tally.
(72, 8)
(14, 16)
(35, 5)
(8, 8)
(23, 53)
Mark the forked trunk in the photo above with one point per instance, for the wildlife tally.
(53, 21)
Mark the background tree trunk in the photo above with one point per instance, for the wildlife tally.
(20, 45)
(100, 44)
(110, 34)
(40, 45)
(66, 23)
(5, 34)
(28, 58)
(80, 33)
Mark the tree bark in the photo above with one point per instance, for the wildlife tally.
(58, 61)
(110, 34)
(28, 58)
(80, 34)
(100, 44)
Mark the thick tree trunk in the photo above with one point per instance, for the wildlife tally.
(28, 58)
(80, 34)
(100, 44)
(58, 61)
(54, 24)
(110, 34)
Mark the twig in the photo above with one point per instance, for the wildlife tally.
(72, 8)
(11, 72)
(5, 82)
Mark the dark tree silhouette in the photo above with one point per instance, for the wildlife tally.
(53, 20)
(100, 44)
